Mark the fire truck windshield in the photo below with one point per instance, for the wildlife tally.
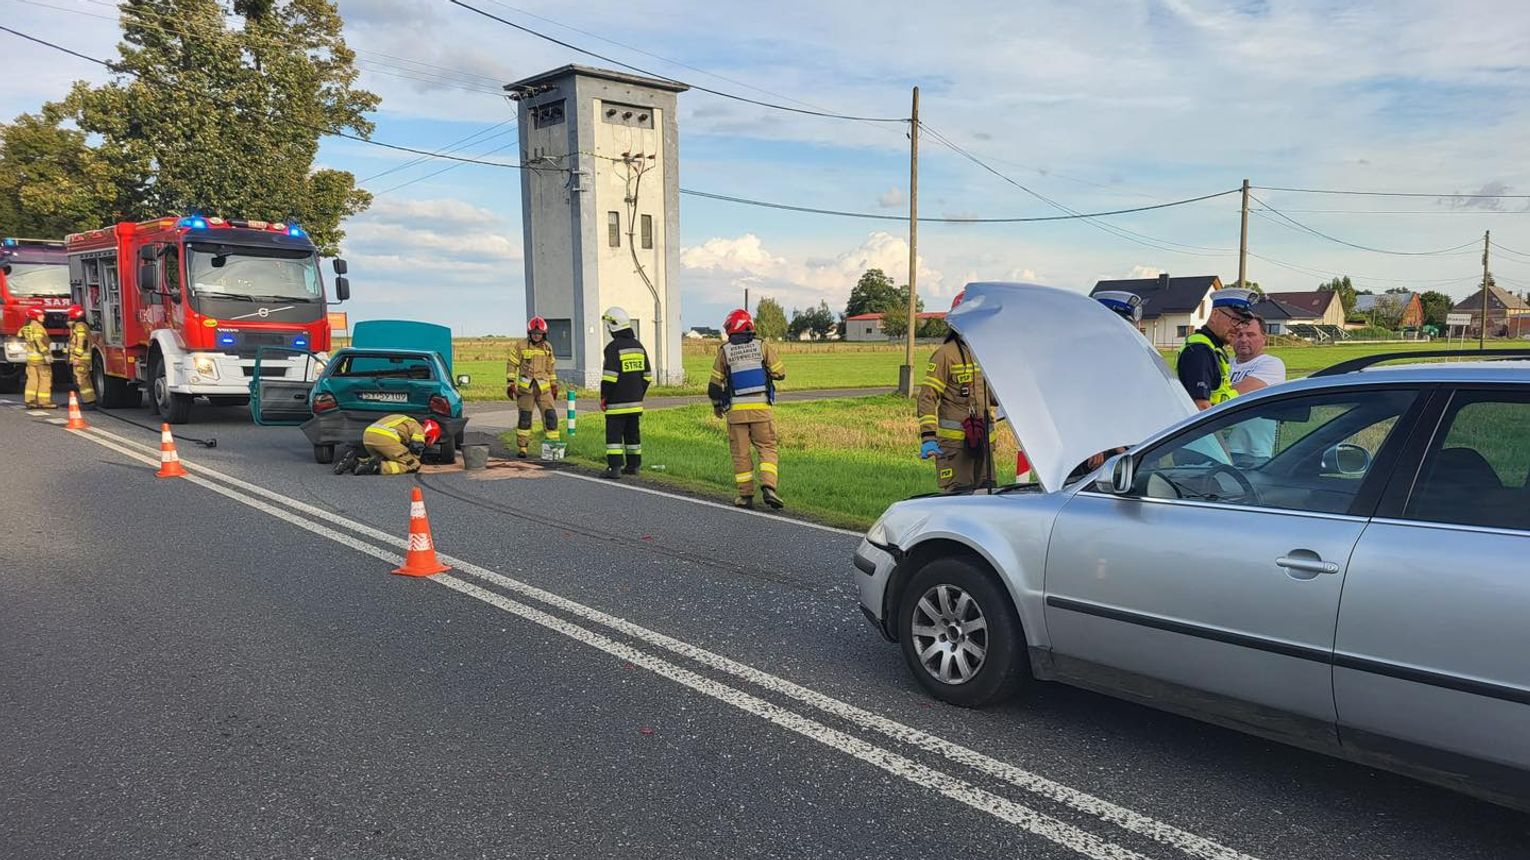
(271, 274)
(38, 279)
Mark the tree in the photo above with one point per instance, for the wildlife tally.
(895, 312)
(871, 294)
(51, 183)
(1249, 285)
(769, 319)
(817, 321)
(933, 328)
(1346, 292)
(227, 119)
(1436, 306)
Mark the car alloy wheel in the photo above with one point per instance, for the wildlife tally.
(950, 634)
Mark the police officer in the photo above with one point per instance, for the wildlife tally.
(743, 388)
(531, 380)
(39, 388)
(79, 356)
(393, 445)
(956, 417)
(625, 377)
(1203, 365)
(1126, 305)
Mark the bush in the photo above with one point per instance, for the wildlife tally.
(1373, 332)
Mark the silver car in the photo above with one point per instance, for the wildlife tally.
(1341, 562)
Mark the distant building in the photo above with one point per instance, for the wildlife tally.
(1172, 308)
(1325, 306)
(868, 327)
(1508, 314)
(1381, 309)
(1279, 317)
(700, 332)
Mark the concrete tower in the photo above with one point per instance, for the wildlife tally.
(600, 204)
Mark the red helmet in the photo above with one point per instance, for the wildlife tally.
(738, 321)
(76, 312)
(432, 431)
(536, 324)
(957, 299)
(37, 314)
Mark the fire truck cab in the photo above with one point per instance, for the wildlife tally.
(180, 307)
(34, 273)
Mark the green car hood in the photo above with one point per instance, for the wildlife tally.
(405, 334)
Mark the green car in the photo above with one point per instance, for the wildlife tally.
(392, 367)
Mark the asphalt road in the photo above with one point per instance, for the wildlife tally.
(223, 667)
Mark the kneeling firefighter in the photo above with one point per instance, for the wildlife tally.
(743, 387)
(79, 356)
(393, 446)
(624, 381)
(956, 422)
(531, 380)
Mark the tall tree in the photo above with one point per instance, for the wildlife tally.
(220, 106)
(1346, 291)
(895, 312)
(769, 319)
(51, 183)
(871, 294)
(1436, 306)
(817, 321)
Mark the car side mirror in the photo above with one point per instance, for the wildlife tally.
(147, 254)
(1118, 476)
(148, 277)
(1346, 459)
(340, 266)
(342, 288)
(463, 380)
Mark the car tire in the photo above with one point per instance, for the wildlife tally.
(956, 659)
(174, 408)
(111, 392)
(324, 454)
(448, 450)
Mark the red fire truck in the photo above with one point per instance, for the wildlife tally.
(34, 273)
(180, 307)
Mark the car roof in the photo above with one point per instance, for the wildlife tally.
(1455, 372)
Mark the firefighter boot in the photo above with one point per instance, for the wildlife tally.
(634, 464)
(348, 461)
(744, 502)
(769, 493)
(369, 466)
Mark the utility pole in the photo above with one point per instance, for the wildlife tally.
(1482, 333)
(906, 372)
(1243, 242)
(746, 299)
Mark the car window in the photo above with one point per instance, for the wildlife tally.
(1297, 453)
(1477, 469)
(385, 366)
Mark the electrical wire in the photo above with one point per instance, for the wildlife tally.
(1391, 193)
(1324, 273)
(511, 145)
(1315, 232)
(876, 216)
(1509, 250)
(721, 93)
(455, 146)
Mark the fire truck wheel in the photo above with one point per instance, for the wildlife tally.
(174, 408)
(111, 392)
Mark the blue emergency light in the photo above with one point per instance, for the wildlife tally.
(195, 222)
(226, 338)
(300, 343)
(295, 230)
(11, 243)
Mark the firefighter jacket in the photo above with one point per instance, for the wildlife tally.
(39, 346)
(953, 391)
(531, 362)
(79, 343)
(744, 376)
(626, 375)
(399, 429)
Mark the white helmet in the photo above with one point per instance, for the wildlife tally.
(616, 319)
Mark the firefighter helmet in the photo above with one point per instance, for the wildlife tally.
(76, 312)
(738, 322)
(536, 324)
(432, 431)
(37, 314)
(958, 298)
(616, 319)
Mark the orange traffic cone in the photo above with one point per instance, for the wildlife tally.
(76, 420)
(169, 461)
(420, 560)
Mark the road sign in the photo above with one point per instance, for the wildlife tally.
(1458, 319)
(338, 323)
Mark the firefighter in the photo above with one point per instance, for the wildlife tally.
(79, 356)
(624, 380)
(956, 422)
(39, 387)
(531, 380)
(393, 445)
(743, 388)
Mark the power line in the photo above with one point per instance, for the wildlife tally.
(1306, 229)
(1392, 193)
(1324, 273)
(876, 216)
(1510, 250)
(722, 93)
(512, 144)
(463, 143)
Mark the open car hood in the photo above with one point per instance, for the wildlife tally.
(1073, 378)
(404, 334)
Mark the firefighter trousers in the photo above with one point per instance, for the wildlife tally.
(959, 469)
(82, 381)
(623, 439)
(39, 387)
(528, 402)
(397, 459)
(761, 435)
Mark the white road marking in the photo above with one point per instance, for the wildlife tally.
(1047, 827)
(1159, 831)
(676, 496)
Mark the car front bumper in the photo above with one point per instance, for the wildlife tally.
(873, 570)
(345, 426)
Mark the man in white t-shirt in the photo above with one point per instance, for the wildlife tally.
(1252, 442)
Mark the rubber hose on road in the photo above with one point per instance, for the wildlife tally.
(205, 443)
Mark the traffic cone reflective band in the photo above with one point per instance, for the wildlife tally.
(169, 461)
(420, 560)
(1023, 469)
(76, 420)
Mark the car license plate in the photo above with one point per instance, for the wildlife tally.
(385, 396)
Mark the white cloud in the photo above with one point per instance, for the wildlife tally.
(892, 198)
(796, 281)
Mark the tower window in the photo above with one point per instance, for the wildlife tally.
(647, 231)
(614, 229)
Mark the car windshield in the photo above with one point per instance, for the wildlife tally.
(384, 366)
(261, 273)
(38, 279)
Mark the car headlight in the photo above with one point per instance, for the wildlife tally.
(877, 534)
(15, 350)
(205, 365)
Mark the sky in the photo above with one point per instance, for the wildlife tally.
(1091, 104)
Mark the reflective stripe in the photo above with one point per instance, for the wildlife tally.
(769, 467)
(613, 449)
(743, 477)
(928, 419)
(624, 408)
(946, 433)
(609, 377)
(634, 449)
(386, 431)
(934, 383)
(744, 407)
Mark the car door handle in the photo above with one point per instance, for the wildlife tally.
(1307, 565)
